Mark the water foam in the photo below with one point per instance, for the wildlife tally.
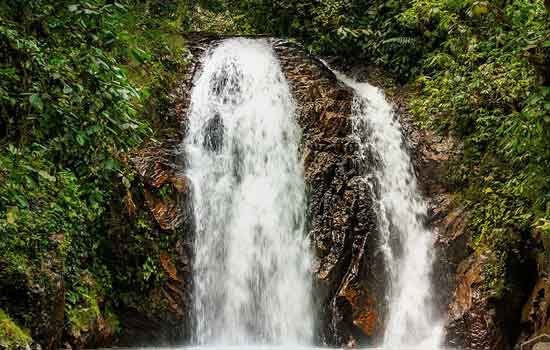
(402, 212)
(251, 264)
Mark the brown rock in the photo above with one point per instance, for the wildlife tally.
(180, 183)
(535, 316)
(342, 222)
(472, 323)
(365, 315)
(340, 211)
(168, 266)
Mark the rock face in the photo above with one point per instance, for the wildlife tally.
(480, 313)
(148, 224)
(484, 312)
(162, 195)
(349, 277)
(481, 291)
(349, 274)
(472, 318)
(535, 315)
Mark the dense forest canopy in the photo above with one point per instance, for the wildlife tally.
(82, 83)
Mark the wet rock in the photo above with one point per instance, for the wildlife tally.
(535, 316)
(491, 289)
(431, 154)
(349, 275)
(472, 317)
(166, 211)
(364, 309)
(213, 135)
(42, 288)
(479, 292)
(481, 308)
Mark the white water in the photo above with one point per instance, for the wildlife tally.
(251, 265)
(408, 243)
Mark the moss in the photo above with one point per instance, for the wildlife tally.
(503, 249)
(166, 191)
(86, 309)
(82, 307)
(112, 321)
(11, 335)
(82, 318)
(494, 276)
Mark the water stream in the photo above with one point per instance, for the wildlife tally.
(402, 213)
(251, 268)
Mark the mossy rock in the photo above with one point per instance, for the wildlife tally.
(11, 335)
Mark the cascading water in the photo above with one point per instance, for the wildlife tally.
(408, 243)
(251, 264)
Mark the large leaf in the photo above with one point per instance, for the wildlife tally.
(36, 102)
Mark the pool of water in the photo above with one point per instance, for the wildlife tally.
(272, 347)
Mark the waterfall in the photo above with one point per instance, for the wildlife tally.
(402, 213)
(252, 283)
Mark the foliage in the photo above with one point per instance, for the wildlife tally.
(11, 335)
(484, 86)
(365, 30)
(84, 309)
(81, 84)
(42, 209)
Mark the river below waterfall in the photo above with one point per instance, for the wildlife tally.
(268, 347)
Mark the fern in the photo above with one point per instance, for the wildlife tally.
(401, 41)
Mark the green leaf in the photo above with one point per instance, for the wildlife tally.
(110, 164)
(11, 215)
(81, 138)
(36, 102)
(23, 203)
(480, 8)
(140, 55)
(488, 190)
(46, 176)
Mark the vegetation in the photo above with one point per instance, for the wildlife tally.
(488, 84)
(82, 83)
(10, 334)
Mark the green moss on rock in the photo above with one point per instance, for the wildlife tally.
(11, 335)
